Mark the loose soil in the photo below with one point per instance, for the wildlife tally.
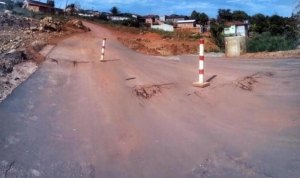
(152, 43)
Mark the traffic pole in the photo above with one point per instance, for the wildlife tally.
(201, 82)
(103, 50)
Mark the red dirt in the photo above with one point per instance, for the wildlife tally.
(155, 44)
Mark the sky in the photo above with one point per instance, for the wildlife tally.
(185, 7)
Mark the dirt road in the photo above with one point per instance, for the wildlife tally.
(84, 118)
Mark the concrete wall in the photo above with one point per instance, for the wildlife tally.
(185, 25)
(235, 46)
(163, 27)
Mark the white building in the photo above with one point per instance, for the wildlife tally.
(118, 18)
(236, 30)
(164, 27)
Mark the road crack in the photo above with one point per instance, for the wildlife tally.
(8, 168)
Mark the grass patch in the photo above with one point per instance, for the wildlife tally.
(267, 42)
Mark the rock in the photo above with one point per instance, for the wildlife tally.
(8, 12)
(16, 56)
(49, 24)
(27, 32)
(17, 38)
(8, 60)
(38, 45)
(77, 24)
(34, 28)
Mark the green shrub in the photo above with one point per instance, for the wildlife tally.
(267, 42)
(217, 35)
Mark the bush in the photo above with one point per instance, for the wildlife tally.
(267, 42)
(217, 35)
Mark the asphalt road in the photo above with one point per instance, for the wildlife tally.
(84, 119)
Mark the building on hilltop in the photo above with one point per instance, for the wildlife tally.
(37, 6)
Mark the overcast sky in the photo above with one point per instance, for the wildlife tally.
(185, 7)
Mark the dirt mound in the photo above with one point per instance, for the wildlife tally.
(8, 22)
(153, 43)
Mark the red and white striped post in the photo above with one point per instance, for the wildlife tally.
(103, 49)
(201, 82)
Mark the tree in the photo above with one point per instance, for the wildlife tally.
(195, 15)
(216, 31)
(224, 15)
(259, 23)
(203, 18)
(296, 11)
(239, 16)
(114, 10)
(51, 3)
(77, 5)
(277, 25)
(71, 9)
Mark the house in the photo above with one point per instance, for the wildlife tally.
(236, 29)
(173, 18)
(59, 11)
(152, 19)
(186, 24)
(118, 18)
(86, 13)
(124, 17)
(71, 9)
(37, 6)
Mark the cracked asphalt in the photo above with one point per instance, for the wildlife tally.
(78, 117)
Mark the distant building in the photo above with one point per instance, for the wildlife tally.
(88, 13)
(125, 16)
(59, 11)
(152, 20)
(37, 6)
(164, 27)
(186, 24)
(118, 18)
(173, 18)
(236, 29)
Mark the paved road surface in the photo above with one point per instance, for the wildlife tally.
(83, 119)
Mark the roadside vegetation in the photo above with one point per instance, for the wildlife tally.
(266, 33)
(273, 33)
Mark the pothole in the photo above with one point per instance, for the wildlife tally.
(248, 82)
(149, 91)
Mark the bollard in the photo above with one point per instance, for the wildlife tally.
(201, 82)
(103, 49)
